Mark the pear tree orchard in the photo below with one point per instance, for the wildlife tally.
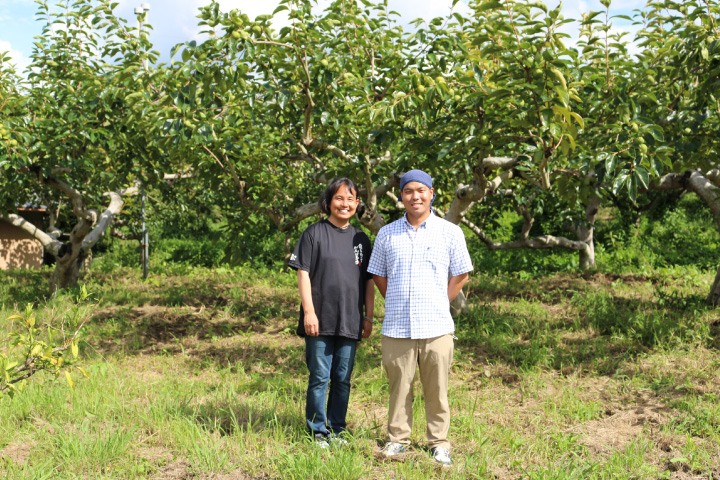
(496, 105)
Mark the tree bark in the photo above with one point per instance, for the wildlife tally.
(705, 186)
(714, 296)
(288, 250)
(585, 234)
(87, 232)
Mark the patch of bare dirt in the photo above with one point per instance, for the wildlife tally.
(178, 470)
(621, 427)
(43, 424)
(234, 475)
(155, 455)
(609, 278)
(502, 473)
(18, 453)
(684, 475)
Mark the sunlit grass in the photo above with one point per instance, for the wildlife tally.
(198, 373)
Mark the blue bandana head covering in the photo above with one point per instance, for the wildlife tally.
(417, 176)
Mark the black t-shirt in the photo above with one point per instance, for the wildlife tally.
(336, 260)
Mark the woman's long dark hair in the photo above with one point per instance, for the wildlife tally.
(332, 189)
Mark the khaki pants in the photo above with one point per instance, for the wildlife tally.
(400, 357)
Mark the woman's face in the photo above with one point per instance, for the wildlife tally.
(343, 205)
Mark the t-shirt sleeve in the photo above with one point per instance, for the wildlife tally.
(301, 257)
(460, 261)
(378, 264)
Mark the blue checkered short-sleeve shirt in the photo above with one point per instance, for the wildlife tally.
(417, 265)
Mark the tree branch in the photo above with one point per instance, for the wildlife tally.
(116, 204)
(76, 197)
(50, 244)
(541, 242)
(322, 145)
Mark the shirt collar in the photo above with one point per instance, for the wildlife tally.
(425, 223)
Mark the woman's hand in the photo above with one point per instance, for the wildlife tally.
(367, 328)
(312, 325)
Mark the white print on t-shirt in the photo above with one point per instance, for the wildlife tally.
(358, 254)
(292, 257)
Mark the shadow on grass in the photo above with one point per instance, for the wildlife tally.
(596, 333)
(20, 287)
(246, 414)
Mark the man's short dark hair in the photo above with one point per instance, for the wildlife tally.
(331, 189)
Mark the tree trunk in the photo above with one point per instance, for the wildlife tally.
(704, 185)
(459, 305)
(67, 267)
(586, 232)
(288, 251)
(370, 218)
(86, 233)
(714, 297)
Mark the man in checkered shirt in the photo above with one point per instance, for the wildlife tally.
(420, 263)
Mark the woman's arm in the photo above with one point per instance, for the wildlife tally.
(312, 325)
(369, 308)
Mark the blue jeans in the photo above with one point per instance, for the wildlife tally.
(330, 361)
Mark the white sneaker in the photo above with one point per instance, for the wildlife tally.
(321, 441)
(393, 448)
(335, 439)
(441, 455)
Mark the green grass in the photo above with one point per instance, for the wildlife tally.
(197, 373)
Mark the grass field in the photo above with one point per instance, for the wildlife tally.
(197, 373)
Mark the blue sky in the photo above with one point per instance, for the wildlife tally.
(175, 21)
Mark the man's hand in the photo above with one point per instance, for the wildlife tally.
(312, 325)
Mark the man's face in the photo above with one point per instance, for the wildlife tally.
(417, 198)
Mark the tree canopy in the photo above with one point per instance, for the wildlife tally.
(500, 106)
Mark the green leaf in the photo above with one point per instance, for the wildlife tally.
(656, 132)
(555, 130)
(610, 163)
(559, 77)
(642, 177)
(444, 151)
(618, 183)
(563, 94)
(632, 187)
(578, 119)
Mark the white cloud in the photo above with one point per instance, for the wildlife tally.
(16, 57)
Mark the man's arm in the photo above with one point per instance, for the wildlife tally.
(312, 325)
(369, 308)
(381, 283)
(455, 284)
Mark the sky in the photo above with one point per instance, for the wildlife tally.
(174, 21)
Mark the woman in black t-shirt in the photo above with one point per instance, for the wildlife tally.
(331, 261)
